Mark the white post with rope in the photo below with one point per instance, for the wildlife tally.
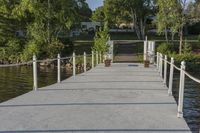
(157, 60)
(171, 77)
(100, 57)
(85, 62)
(35, 81)
(165, 70)
(58, 69)
(181, 90)
(74, 64)
(161, 65)
(97, 58)
(92, 59)
(145, 50)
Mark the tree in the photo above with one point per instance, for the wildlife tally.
(101, 39)
(98, 15)
(135, 11)
(41, 22)
(173, 15)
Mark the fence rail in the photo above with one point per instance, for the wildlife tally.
(34, 62)
(183, 73)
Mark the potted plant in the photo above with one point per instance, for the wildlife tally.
(107, 61)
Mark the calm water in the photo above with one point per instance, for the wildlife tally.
(15, 81)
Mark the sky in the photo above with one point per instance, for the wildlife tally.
(93, 4)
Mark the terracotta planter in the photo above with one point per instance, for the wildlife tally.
(146, 63)
(107, 63)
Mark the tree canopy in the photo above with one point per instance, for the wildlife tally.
(39, 23)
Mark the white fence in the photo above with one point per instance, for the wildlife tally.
(164, 60)
(35, 62)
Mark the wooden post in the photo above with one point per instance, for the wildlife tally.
(181, 90)
(74, 64)
(165, 70)
(92, 59)
(35, 82)
(85, 62)
(171, 77)
(161, 65)
(58, 69)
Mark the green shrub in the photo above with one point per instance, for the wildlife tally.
(192, 61)
(165, 48)
(100, 40)
(199, 38)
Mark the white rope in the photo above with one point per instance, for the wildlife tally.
(176, 67)
(191, 77)
(48, 60)
(19, 64)
(64, 58)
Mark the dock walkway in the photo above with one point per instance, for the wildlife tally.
(123, 98)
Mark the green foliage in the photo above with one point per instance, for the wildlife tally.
(165, 48)
(187, 48)
(192, 61)
(129, 11)
(100, 40)
(54, 48)
(98, 15)
(41, 22)
(199, 38)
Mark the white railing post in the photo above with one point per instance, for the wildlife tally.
(92, 59)
(35, 82)
(157, 60)
(171, 77)
(58, 69)
(100, 57)
(165, 70)
(161, 65)
(145, 50)
(85, 62)
(181, 90)
(97, 58)
(74, 64)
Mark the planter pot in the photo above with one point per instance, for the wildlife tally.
(146, 63)
(107, 63)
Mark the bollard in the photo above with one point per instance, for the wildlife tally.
(181, 90)
(171, 77)
(85, 62)
(35, 82)
(165, 70)
(58, 69)
(74, 64)
(161, 65)
(92, 59)
(97, 58)
(157, 60)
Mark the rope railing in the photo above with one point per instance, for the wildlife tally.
(160, 61)
(72, 58)
(18, 64)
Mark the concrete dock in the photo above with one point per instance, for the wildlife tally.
(123, 98)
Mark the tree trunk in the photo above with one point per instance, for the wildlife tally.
(142, 29)
(181, 40)
(172, 39)
(134, 19)
(166, 35)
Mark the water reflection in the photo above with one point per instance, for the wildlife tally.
(15, 81)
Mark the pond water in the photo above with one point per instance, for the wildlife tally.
(15, 81)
